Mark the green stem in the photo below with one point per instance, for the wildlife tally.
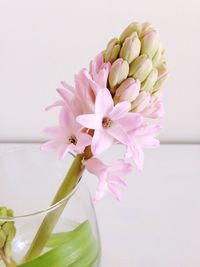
(51, 219)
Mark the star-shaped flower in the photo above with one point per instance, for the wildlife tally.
(68, 136)
(110, 122)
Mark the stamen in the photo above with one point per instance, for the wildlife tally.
(106, 122)
(73, 139)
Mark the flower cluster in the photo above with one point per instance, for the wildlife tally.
(109, 105)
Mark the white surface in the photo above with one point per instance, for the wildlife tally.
(43, 42)
(157, 224)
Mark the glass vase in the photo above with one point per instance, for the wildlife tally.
(29, 180)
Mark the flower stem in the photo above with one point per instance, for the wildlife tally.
(51, 219)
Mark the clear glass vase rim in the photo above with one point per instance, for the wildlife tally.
(45, 210)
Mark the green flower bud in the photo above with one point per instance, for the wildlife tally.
(2, 238)
(146, 27)
(162, 76)
(131, 48)
(140, 68)
(3, 213)
(151, 79)
(10, 213)
(112, 50)
(158, 57)
(8, 248)
(7, 231)
(133, 27)
(150, 43)
(118, 72)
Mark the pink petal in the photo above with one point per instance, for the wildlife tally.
(54, 131)
(90, 121)
(95, 87)
(83, 141)
(148, 130)
(150, 142)
(121, 167)
(96, 64)
(138, 155)
(67, 86)
(100, 142)
(95, 166)
(101, 190)
(141, 102)
(131, 121)
(50, 145)
(104, 102)
(67, 120)
(102, 76)
(63, 150)
(120, 110)
(129, 93)
(117, 181)
(57, 103)
(66, 95)
(118, 133)
(115, 191)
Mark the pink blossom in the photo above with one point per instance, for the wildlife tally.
(142, 137)
(148, 106)
(109, 122)
(110, 177)
(79, 99)
(67, 136)
(99, 70)
(154, 109)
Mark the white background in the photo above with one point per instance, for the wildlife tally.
(43, 42)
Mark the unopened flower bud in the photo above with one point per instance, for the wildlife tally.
(162, 76)
(146, 27)
(118, 72)
(140, 68)
(133, 27)
(112, 50)
(158, 56)
(151, 79)
(7, 231)
(150, 43)
(131, 48)
(2, 238)
(141, 102)
(128, 90)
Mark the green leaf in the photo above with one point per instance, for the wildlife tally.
(77, 248)
(57, 239)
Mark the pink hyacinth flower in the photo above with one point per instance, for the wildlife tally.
(110, 177)
(155, 108)
(67, 137)
(99, 70)
(79, 99)
(148, 106)
(109, 122)
(142, 137)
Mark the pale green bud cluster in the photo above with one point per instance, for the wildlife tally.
(137, 54)
(7, 231)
